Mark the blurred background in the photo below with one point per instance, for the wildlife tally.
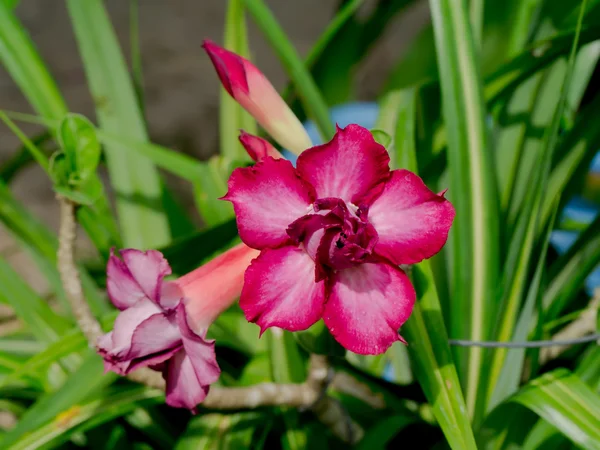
(181, 88)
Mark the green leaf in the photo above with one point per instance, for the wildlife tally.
(510, 375)
(88, 378)
(317, 339)
(78, 140)
(26, 68)
(220, 431)
(431, 361)
(43, 323)
(474, 245)
(431, 357)
(88, 414)
(381, 137)
(232, 117)
(406, 128)
(135, 179)
(523, 240)
(287, 366)
(566, 402)
(312, 99)
(568, 273)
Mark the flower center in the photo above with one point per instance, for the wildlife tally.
(336, 235)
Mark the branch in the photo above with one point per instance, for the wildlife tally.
(69, 274)
(308, 395)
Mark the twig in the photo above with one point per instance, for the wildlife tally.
(308, 395)
(69, 274)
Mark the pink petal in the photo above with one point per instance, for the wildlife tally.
(412, 222)
(258, 148)
(122, 288)
(148, 269)
(349, 167)
(251, 89)
(200, 350)
(367, 305)
(183, 389)
(154, 340)
(267, 198)
(214, 286)
(116, 345)
(280, 290)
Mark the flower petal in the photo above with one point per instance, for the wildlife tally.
(280, 290)
(258, 148)
(267, 198)
(200, 350)
(412, 222)
(183, 389)
(148, 269)
(349, 167)
(251, 89)
(122, 288)
(367, 305)
(116, 345)
(213, 287)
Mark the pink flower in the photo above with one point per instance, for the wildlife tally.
(332, 232)
(251, 89)
(163, 324)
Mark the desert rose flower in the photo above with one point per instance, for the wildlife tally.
(163, 324)
(251, 89)
(332, 233)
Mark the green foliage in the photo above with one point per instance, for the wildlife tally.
(496, 101)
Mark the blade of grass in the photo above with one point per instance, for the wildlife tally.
(512, 369)
(519, 255)
(566, 402)
(287, 367)
(472, 188)
(139, 191)
(25, 66)
(425, 332)
(569, 271)
(88, 378)
(89, 414)
(309, 93)
(232, 116)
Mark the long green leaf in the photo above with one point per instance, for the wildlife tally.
(522, 242)
(287, 367)
(86, 415)
(311, 97)
(472, 187)
(566, 402)
(87, 379)
(43, 323)
(232, 117)
(139, 191)
(568, 273)
(425, 332)
(22, 61)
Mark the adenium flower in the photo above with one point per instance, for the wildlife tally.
(163, 324)
(332, 233)
(253, 91)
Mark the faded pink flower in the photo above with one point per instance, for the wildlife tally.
(251, 89)
(332, 232)
(163, 324)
